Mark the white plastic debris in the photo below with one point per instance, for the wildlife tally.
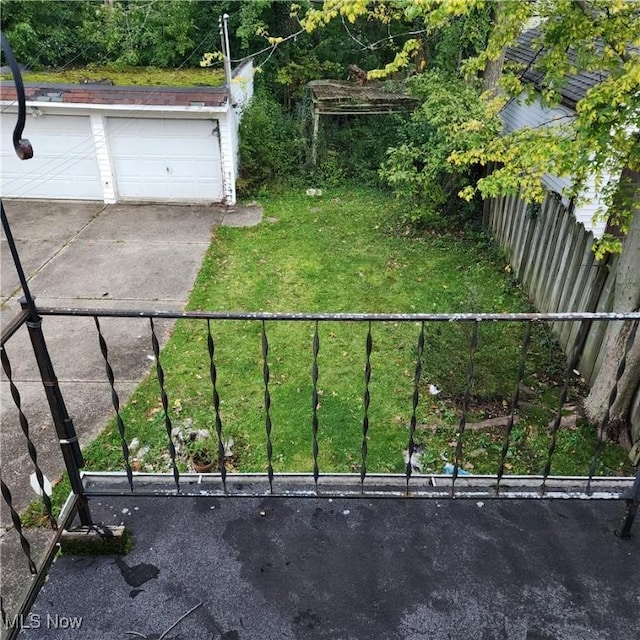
(346, 512)
(416, 458)
(314, 192)
(480, 504)
(133, 445)
(35, 485)
(433, 390)
(142, 453)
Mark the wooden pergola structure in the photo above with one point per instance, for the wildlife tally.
(341, 98)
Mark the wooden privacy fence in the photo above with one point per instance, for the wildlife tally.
(550, 253)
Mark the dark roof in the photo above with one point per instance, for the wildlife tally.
(336, 96)
(114, 94)
(527, 49)
(315, 569)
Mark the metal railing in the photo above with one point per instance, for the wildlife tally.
(359, 479)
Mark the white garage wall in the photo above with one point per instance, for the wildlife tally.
(136, 152)
(64, 164)
(166, 159)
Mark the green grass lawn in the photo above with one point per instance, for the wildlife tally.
(344, 253)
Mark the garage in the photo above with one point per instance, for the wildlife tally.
(161, 158)
(64, 165)
(134, 143)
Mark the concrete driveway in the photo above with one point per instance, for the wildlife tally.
(87, 254)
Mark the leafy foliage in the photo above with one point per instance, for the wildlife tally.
(354, 148)
(600, 36)
(44, 33)
(451, 117)
(271, 148)
(159, 33)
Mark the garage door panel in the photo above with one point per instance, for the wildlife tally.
(64, 163)
(170, 159)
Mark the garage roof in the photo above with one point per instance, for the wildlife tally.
(109, 94)
(526, 50)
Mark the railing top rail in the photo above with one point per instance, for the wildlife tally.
(353, 317)
(14, 325)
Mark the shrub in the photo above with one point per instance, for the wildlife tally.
(354, 147)
(271, 148)
(451, 118)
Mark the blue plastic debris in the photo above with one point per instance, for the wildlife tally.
(448, 469)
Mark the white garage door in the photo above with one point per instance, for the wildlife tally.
(166, 159)
(63, 166)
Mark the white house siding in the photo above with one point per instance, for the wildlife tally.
(64, 163)
(517, 115)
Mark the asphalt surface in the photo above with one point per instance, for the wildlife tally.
(277, 568)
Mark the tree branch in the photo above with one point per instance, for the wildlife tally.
(594, 15)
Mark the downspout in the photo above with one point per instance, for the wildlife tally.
(228, 173)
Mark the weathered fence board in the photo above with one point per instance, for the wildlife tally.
(550, 252)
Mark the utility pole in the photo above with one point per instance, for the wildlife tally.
(226, 53)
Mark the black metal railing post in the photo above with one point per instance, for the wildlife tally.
(65, 430)
(633, 503)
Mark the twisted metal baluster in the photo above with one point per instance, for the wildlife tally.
(115, 400)
(612, 398)
(267, 404)
(366, 401)
(314, 404)
(3, 613)
(556, 424)
(165, 404)
(411, 446)
(473, 344)
(514, 405)
(17, 523)
(24, 425)
(213, 374)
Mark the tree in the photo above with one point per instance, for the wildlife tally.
(600, 36)
(159, 33)
(616, 340)
(44, 33)
(451, 117)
